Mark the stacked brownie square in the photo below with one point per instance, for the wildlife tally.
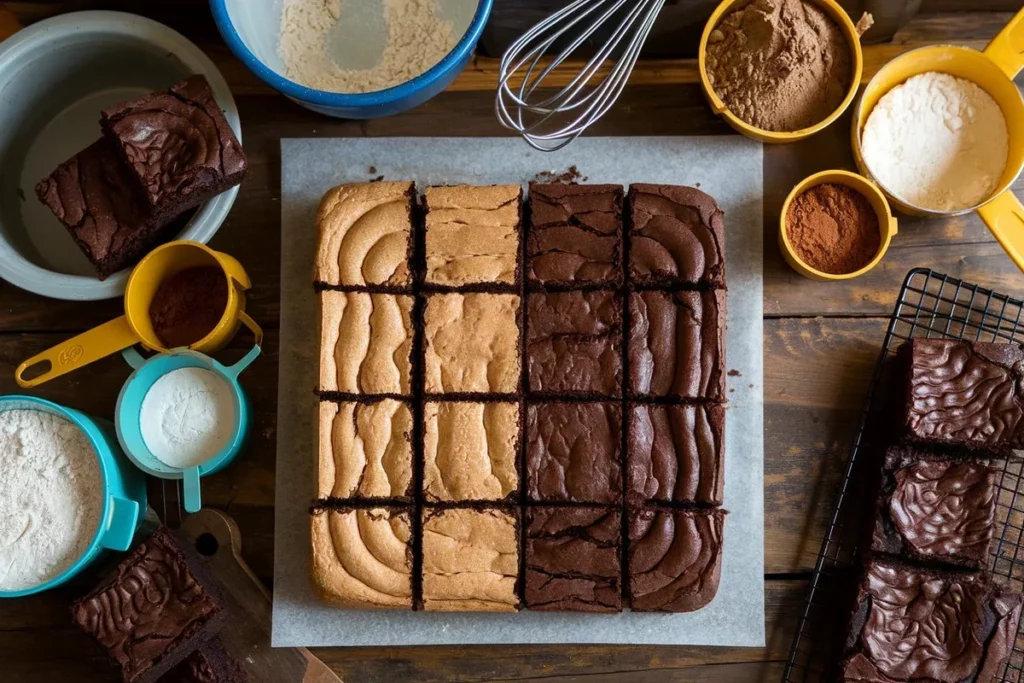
(927, 608)
(514, 413)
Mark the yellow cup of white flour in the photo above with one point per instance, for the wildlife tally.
(993, 71)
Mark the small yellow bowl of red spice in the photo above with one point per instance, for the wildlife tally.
(835, 225)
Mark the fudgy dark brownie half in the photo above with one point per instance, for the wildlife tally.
(573, 559)
(935, 509)
(92, 195)
(575, 234)
(965, 393)
(153, 611)
(927, 626)
(677, 236)
(209, 664)
(179, 148)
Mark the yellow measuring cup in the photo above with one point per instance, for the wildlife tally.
(993, 70)
(136, 326)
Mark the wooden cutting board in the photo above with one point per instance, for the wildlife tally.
(247, 636)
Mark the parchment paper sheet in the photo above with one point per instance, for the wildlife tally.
(729, 169)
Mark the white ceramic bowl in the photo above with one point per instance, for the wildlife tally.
(55, 77)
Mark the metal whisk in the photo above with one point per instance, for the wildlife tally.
(550, 123)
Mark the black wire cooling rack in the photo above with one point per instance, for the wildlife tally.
(929, 305)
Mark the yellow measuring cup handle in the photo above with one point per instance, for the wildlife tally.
(76, 352)
(252, 325)
(1004, 216)
(1007, 48)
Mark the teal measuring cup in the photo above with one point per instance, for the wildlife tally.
(124, 488)
(129, 409)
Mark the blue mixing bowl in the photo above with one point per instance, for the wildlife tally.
(251, 28)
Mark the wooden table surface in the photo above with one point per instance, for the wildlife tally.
(820, 343)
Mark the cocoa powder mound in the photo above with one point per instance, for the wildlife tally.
(188, 305)
(779, 65)
(833, 228)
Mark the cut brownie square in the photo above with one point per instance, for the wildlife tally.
(573, 452)
(575, 234)
(365, 235)
(676, 453)
(469, 451)
(675, 558)
(365, 343)
(92, 196)
(935, 509)
(179, 148)
(472, 343)
(365, 450)
(573, 560)
(574, 343)
(209, 664)
(677, 236)
(676, 344)
(362, 558)
(157, 607)
(927, 626)
(472, 234)
(470, 560)
(965, 393)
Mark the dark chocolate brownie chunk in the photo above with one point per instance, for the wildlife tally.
(92, 195)
(676, 453)
(925, 626)
(574, 343)
(935, 509)
(675, 558)
(209, 664)
(575, 234)
(572, 559)
(153, 610)
(677, 236)
(573, 452)
(965, 393)
(676, 345)
(177, 144)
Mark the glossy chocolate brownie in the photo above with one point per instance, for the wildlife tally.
(574, 343)
(157, 607)
(676, 344)
(573, 452)
(209, 664)
(676, 453)
(573, 560)
(964, 393)
(676, 236)
(575, 234)
(926, 626)
(935, 509)
(92, 195)
(675, 558)
(179, 148)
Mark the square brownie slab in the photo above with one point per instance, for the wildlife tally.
(926, 626)
(573, 452)
(676, 453)
(470, 560)
(677, 236)
(472, 234)
(573, 560)
(362, 558)
(574, 343)
(575, 234)
(179, 148)
(366, 343)
(365, 450)
(365, 235)
(470, 451)
(935, 509)
(676, 344)
(209, 664)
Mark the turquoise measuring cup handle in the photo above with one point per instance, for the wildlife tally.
(235, 370)
(193, 501)
(133, 357)
(124, 517)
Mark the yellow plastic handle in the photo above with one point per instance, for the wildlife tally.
(1007, 48)
(79, 351)
(252, 325)
(1004, 216)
